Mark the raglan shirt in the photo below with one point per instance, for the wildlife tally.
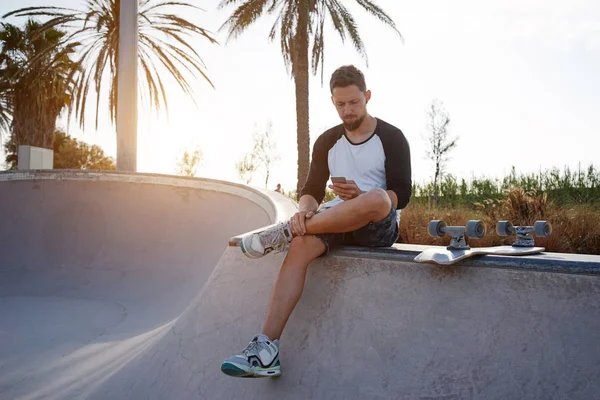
(381, 161)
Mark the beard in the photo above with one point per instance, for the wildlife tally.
(353, 125)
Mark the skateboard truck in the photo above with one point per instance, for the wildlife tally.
(474, 229)
(524, 236)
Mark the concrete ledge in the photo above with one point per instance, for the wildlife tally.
(548, 262)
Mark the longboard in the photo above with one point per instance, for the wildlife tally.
(444, 256)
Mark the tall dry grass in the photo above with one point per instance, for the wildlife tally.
(576, 229)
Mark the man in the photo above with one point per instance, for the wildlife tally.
(374, 158)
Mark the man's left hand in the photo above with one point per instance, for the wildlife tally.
(346, 191)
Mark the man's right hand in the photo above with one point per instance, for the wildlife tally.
(298, 222)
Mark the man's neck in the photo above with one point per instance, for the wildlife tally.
(364, 131)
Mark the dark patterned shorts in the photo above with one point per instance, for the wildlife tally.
(382, 233)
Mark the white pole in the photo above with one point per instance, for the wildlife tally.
(127, 98)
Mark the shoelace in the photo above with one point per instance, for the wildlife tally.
(275, 238)
(251, 346)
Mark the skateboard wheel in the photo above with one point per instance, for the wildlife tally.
(435, 228)
(475, 229)
(504, 228)
(542, 228)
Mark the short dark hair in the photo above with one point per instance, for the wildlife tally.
(348, 75)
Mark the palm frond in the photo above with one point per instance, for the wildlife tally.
(287, 33)
(318, 50)
(375, 10)
(96, 30)
(42, 11)
(248, 12)
(347, 27)
(5, 108)
(243, 16)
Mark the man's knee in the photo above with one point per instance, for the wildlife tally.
(306, 247)
(378, 202)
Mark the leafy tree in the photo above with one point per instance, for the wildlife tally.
(69, 153)
(439, 142)
(189, 162)
(246, 168)
(265, 151)
(301, 27)
(162, 42)
(35, 81)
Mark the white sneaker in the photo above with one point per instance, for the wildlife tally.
(276, 238)
(259, 359)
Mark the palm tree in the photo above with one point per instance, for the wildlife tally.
(162, 41)
(35, 74)
(301, 27)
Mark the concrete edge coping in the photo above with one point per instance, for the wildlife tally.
(583, 264)
(277, 206)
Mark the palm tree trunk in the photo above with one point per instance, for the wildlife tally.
(300, 69)
(34, 118)
(28, 122)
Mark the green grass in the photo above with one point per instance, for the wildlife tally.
(565, 187)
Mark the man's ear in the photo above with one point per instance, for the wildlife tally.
(368, 95)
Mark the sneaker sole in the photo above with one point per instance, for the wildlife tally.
(236, 372)
(232, 370)
(246, 253)
(268, 372)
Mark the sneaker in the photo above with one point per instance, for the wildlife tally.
(259, 359)
(276, 238)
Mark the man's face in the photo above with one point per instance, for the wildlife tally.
(351, 105)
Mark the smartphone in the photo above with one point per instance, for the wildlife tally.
(338, 179)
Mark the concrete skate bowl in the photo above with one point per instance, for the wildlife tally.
(96, 267)
(371, 323)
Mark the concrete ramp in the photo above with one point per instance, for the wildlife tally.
(95, 268)
(370, 324)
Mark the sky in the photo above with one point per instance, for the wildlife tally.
(519, 79)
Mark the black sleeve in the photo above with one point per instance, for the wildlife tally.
(319, 165)
(397, 164)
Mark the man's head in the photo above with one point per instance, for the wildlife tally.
(349, 95)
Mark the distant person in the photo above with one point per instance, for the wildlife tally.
(278, 188)
(374, 158)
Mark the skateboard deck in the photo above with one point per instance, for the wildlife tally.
(444, 256)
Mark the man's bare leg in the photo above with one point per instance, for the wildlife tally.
(289, 283)
(352, 214)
